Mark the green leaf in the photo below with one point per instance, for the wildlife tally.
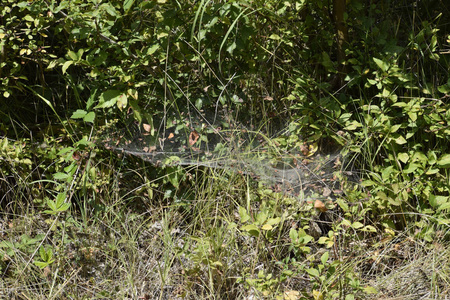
(108, 98)
(73, 55)
(174, 177)
(345, 117)
(432, 171)
(381, 64)
(80, 54)
(409, 135)
(127, 4)
(65, 150)
(410, 168)
(52, 64)
(436, 201)
(357, 225)
(323, 240)
(199, 103)
(152, 49)
(444, 161)
(400, 104)
(352, 125)
(445, 89)
(419, 156)
(267, 227)
(64, 207)
(403, 157)
(78, 114)
(261, 217)
(293, 234)
(400, 140)
(243, 214)
(368, 182)
(275, 37)
(326, 61)
(109, 9)
(350, 297)
(371, 81)
(386, 173)
(231, 48)
(324, 257)
(6, 244)
(313, 272)
(66, 65)
(412, 116)
(305, 239)
(60, 176)
(370, 290)
(122, 101)
(40, 264)
(91, 99)
(342, 204)
(52, 205)
(432, 157)
(395, 202)
(90, 117)
(251, 229)
(28, 18)
(83, 142)
(60, 199)
(444, 206)
(274, 221)
(394, 128)
(43, 253)
(369, 228)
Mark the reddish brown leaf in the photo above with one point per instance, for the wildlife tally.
(147, 127)
(326, 192)
(319, 205)
(76, 156)
(193, 137)
(304, 149)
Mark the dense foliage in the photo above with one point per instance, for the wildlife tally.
(367, 78)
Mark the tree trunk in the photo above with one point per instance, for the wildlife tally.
(341, 39)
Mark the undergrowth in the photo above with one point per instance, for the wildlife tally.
(364, 88)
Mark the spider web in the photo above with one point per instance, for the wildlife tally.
(236, 148)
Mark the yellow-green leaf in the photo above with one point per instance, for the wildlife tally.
(444, 161)
(89, 117)
(381, 64)
(267, 227)
(357, 225)
(66, 65)
(352, 125)
(400, 140)
(403, 157)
